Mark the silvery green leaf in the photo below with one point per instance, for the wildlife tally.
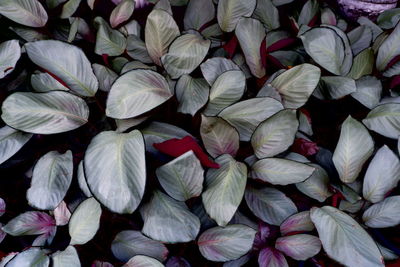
(226, 243)
(160, 31)
(276, 134)
(122, 12)
(363, 64)
(69, 8)
(376, 30)
(384, 119)
(279, 171)
(351, 207)
(268, 14)
(84, 222)
(182, 178)
(115, 169)
(82, 180)
(360, 39)
(388, 18)
(305, 123)
(52, 176)
(108, 41)
(218, 136)
(105, 76)
(32, 257)
(281, 2)
(297, 84)
(328, 17)
(29, 34)
(335, 87)
(128, 244)
(135, 65)
(118, 63)
(131, 28)
(368, 92)
(137, 50)
(299, 222)
(231, 11)
(250, 34)
(240, 218)
(185, 54)
(43, 82)
(213, 67)
(246, 115)
(269, 204)
(299, 247)
(11, 141)
(343, 239)
(387, 253)
(30, 223)
(44, 113)
(67, 62)
(164, 5)
(224, 189)
(125, 124)
(317, 185)
(388, 49)
(297, 157)
(26, 12)
(10, 52)
(308, 12)
(226, 90)
(143, 261)
(168, 220)
(353, 149)
(136, 92)
(383, 174)
(66, 258)
(192, 94)
(383, 214)
(198, 13)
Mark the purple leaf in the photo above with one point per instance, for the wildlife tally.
(270, 257)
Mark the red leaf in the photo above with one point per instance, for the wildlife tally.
(394, 82)
(263, 52)
(176, 147)
(275, 62)
(281, 44)
(230, 46)
(304, 147)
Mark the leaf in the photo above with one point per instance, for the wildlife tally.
(388, 18)
(360, 39)
(363, 64)
(218, 136)
(84, 222)
(105, 76)
(383, 174)
(299, 222)
(192, 94)
(224, 189)
(30, 223)
(43, 82)
(335, 87)
(343, 239)
(32, 257)
(297, 84)
(82, 180)
(268, 14)
(136, 92)
(388, 49)
(327, 48)
(26, 12)
(44, 113)
(10, 52)
(276, 134)
(115, 170)
(177, 262)
(128, 244)
(66, 258)
(353, 149)
(160, 31)
(193, 18)
(108, 41)
(299, 247)
(280, 171)
(226, 90)
(11, 141)
(231, 11)
(270, 257)
(213, 67)
(70, 8)
(246, 115)
(226, 243)
(185, 54)
(52, 176)
(182, 178)
(308, 12)
(384, 214)
(143, 261)
(62, 214)
(250, 34)
(168, 220)
(269, 204)
(67, 62)
(122, 12)
(2, 208)
(384, 119)
(317, 185)
(137, 50)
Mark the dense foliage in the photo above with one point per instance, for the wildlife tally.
(198, 133)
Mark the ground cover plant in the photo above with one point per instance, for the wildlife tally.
(199, 133)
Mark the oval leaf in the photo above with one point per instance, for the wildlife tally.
(384, 214)
(300, 222)
(230, 11)
(66, 258)
(10, 52)
(26, 12)
(32, 257)
(384, 119)
(300, 247)
(11, 141)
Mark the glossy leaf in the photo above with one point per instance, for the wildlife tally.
(193, 18)
(105, 76)
(43, 82)
(268, 14)
(369, 90)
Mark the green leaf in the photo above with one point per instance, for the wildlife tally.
(115, 169)
(11, 141)
(136, 92)
(105, 76)
(369, 90)
(385, 120)
(353, 149)
(108, 41)
(224, 189)
(70, 8)
(44, 113)
(230, 12)
(84, 222)
(26, 12)
(213, 67)
(137, 50)
(388, 18)
(66, 258)
(198, 13)
(67, 62)
(335, 87)
(226, 243)
(388, 49)
(343, 239)
(308, 12)
(43, 82)
(317, 185)
(268, 14)
(10, 52)
(360, 39)
(192, 94)
(363, 64)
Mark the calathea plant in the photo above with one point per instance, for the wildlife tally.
(198, 133)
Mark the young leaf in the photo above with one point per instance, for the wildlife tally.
(384, 214)
(66, 258)
(300, 247)
(122, 12)
(192, 94)
(10, 52)
(115, 169)
(51, 179)
(182, 178)
(230, 12)
(11, 141)
(44, 113)
(226, 243)
(26, 12)
(343, 239)
(384, 119)
(32, 257)
(224, 189)
(353, 149)
(84, 222)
